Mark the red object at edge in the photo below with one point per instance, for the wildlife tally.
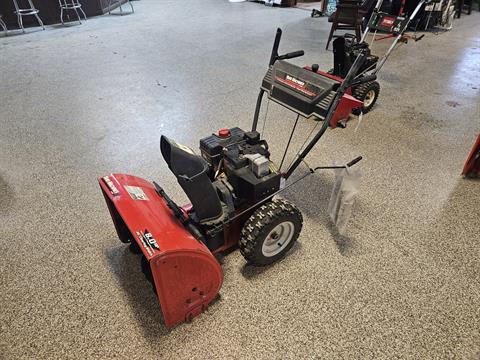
(186, 275)
(472, 165)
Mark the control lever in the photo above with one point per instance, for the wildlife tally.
(354, 161)
(419, 38)
(350, 164)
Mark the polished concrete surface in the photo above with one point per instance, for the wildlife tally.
(83, 101)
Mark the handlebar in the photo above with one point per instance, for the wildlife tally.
(274, 55)
(276, 44)
(291, 55)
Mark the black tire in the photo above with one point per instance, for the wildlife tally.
(259, 230)
(360, 92)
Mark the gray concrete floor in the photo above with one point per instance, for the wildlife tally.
(84, 101)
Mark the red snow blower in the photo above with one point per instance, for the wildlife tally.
(231, 187)
(346, 49)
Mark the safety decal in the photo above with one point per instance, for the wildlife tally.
(136, 192)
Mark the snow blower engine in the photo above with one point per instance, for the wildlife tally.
(231, 188)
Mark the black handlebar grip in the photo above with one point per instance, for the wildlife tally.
(354, 161)
(291, 55)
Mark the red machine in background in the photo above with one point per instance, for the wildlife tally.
(472, 165)
(346, 49)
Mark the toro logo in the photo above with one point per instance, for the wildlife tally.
(150, 240)
(388, 21)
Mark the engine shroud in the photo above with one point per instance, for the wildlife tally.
(234, 155)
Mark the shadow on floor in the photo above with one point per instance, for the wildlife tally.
(7, 196)
(222, 255)
(18, 32)
(145, 306)
(251, 271)
(68, 24)
(312, 195)
(452, 239)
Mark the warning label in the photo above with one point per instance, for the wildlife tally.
(136, 193)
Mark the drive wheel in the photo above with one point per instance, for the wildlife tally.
(270, 232)
(368, 93)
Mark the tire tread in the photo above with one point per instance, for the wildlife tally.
(265, 215)
(360, 91)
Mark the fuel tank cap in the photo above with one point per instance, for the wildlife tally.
(223, 133)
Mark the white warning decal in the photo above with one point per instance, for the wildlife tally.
(136, 192)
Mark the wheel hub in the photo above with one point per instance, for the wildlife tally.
(278, 238)
(369, 97)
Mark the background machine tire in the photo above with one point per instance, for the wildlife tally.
(270, 232)
(368, 93)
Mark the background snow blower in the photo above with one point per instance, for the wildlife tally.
(231, 187)
(346, 50)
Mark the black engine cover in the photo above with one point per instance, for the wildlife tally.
(250, 188)
(212, 146)
(234, 150)
(346, 51)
